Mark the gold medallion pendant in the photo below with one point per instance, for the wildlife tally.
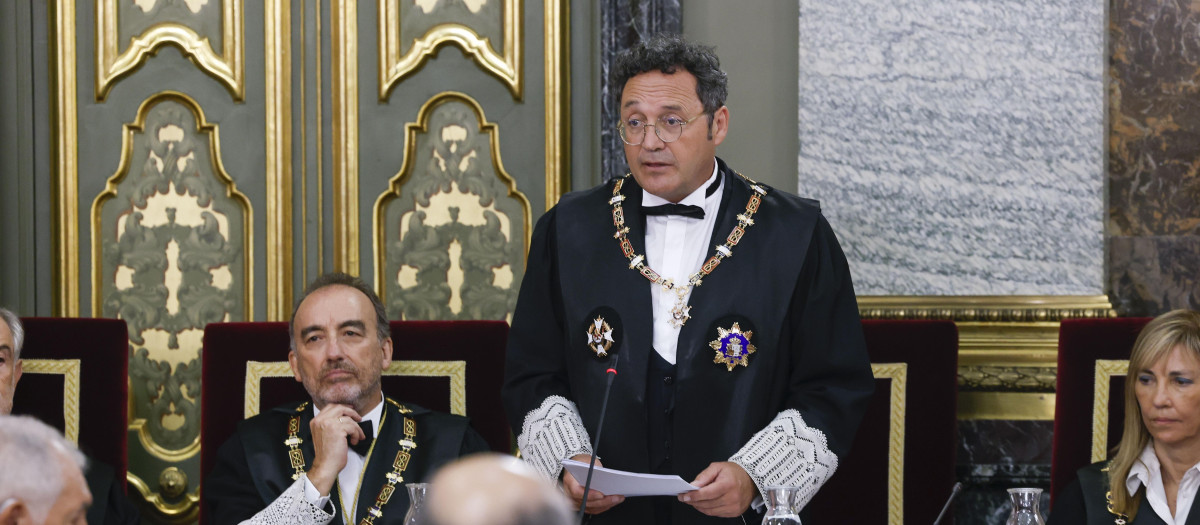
(733, 346)
(600, 336)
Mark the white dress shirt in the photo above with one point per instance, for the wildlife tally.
(349, 476)
(676, 247)
(1147, 472)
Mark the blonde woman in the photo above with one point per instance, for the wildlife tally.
(1153, 477)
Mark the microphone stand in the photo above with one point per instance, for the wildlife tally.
(954, 492)
(587, 485)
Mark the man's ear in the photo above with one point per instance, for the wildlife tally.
(292, 363)
(720, 125)
(387, 352)
(14, 513)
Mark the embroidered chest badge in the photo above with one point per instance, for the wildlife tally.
(733, 346)
(600, 336)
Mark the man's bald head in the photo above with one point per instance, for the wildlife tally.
(495, 489)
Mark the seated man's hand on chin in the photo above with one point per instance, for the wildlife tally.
(726, 491)
(333, 430)
(597, 502)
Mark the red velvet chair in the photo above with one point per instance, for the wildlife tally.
(76, 379)
(451, 366)
(892, 472)
(1081, 343)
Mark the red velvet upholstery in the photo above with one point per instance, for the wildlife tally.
(1080, 343)
(102, 346)
(228, 346)
(858, 491)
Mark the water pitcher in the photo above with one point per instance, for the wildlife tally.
(416, 503)
(780, 506)
(1025, 504)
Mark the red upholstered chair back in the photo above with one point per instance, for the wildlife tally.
(1081, 343)
(916, 384)
(76, 379)
(451, 366)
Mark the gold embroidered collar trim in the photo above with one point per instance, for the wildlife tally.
(680, 313)
(399, 465)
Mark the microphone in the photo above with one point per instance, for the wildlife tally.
(953, 493)
(587, 484)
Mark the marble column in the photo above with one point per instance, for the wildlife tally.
(1154, 156)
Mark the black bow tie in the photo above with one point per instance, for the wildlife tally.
(686, 210)
(364, 445)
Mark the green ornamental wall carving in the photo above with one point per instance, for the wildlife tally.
(454, 227)
(172, 232)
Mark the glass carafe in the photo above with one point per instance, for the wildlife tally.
(780, 506)
(416, 503)
(1025, 503)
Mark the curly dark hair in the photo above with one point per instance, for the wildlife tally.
(383, 329)
(667, 53)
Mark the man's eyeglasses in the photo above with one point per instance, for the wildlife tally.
(668, 129)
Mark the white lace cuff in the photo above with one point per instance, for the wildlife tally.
(291, 508)
(789, 453)
(551, 433)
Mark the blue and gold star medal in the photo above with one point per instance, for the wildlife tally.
(733, 346)
(600, 336)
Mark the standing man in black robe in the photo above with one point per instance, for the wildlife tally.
(725, 306)
(348, 453)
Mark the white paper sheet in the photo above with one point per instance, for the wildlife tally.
(618, 482)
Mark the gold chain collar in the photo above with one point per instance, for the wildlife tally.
(680, 313)
(1121, 518)
(399, 465)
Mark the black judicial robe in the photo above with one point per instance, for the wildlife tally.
(1084, 501)
(110, 505)
(787, 281)
(253, 468)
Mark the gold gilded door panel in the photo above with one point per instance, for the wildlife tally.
(172, 203)
(211, 156)
(461, 115)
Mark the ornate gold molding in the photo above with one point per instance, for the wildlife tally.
(1012, 406)
(278, 64)
(507, 67)
(344, 67)
(997, 330)
(985, 308)
(455, 371)
(111, 63)
(1105, 370)
(898, 373)
(183, 511)
(70, 369)
(558, 100)
(138, 426)
(395, 184)
(65, 183)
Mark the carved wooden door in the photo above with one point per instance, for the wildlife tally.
(209, 157)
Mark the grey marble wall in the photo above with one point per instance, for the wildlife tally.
(623, 24)
(957, 146)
